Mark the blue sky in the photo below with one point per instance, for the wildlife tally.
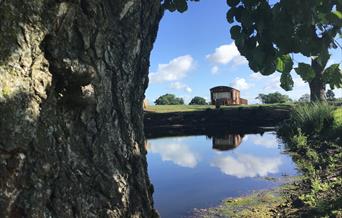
(194, 52)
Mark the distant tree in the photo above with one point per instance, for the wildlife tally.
(304, 98)
(169, 99)
(330, 95)
(273, 98)
(198, 101)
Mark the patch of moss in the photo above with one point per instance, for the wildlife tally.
(6, 91)
(259, 204)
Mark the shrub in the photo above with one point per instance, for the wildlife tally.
(312, 118)
(198, 101)
(273, 98)
(169, 99)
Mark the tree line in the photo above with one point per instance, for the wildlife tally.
(171, 99)
(271, 98)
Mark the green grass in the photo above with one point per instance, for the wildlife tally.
(190, 108)
(338, 118)
(177, 108)
(310, 119)
(337, 124)
(313, 117)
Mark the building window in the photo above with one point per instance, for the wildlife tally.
(220, 95)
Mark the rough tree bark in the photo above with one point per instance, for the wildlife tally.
(72, 81)
(317, 86)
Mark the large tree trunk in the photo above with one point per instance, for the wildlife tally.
(317, 86)
(72, 82)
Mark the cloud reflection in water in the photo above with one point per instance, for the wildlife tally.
(245, 165)
(180, 154)
(266, 141)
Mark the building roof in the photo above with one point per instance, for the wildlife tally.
(222, 88)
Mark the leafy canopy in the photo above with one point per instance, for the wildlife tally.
(198, 101)
(169, 99)
(176, 5)
(273, 98)
(268, 34)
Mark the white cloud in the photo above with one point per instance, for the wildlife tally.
(176, 69)
(226, 54)
(239, 60)
(241, 84)
(338, 92)
(245, 165)
(179, 154)
(298, 82)
(266, 141)
(272, 83)
(214, 69)
(256, 76)
(180, 86)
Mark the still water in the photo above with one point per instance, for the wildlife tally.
(199, 172)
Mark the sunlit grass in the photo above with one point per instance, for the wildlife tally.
(190, 108)
(338, 117)
(313, 117)
(177, 108)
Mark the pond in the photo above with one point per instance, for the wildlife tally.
(199, 171)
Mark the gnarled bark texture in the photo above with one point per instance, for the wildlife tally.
(72, 81)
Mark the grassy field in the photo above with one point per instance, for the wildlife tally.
(177, 108)
(189, 108)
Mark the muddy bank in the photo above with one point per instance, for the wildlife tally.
(246, 119)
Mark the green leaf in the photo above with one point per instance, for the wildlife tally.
(323, 58)
(230, 15)
(238, 13)
(280, 65)
(338, 14)
(233, 3)
(251, 43)
(235, 32)
(284, 64)
(246, 19)
(334, 17)
(258, 56)
(181, 5)
(268, 69)
(333, 76)
(169, 5)
(254, 66)
(305, 71)
(286, 81)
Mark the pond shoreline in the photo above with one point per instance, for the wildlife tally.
(264, 203)
(250, 119)
(317, 193)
